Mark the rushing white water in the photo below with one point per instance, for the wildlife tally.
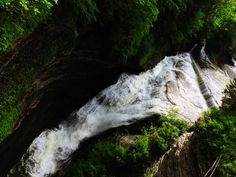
(176, 82)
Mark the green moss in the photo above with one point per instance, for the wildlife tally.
(174, 119)
(10, 106)
(140, 148)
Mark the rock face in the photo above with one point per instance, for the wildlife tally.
(178, 161)
(182, 160)
(63, 85)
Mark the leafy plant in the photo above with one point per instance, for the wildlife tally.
(139, 148)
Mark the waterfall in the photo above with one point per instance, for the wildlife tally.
(175, 82)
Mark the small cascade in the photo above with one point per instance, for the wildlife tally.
(212, 79)
(206, 92)
(175, 82)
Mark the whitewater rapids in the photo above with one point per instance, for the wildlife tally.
(175, 82)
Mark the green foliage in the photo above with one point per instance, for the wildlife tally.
(130, 23)
(87, 9)
(216, 134)
(21, 78)
(102, 155)
(174, 119)
(108, 151)
(182, 22)
(9, 101)
(86, 168)
(139, 148)
(169, 132)
(172, 126)
(220, 29)
(146, 50)
(162, 144)
(134, 29)
(178, 22)
(223, 13)
(18, 18)
(174, 6)
(197, 23)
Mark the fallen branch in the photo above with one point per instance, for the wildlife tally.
(214, 166)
